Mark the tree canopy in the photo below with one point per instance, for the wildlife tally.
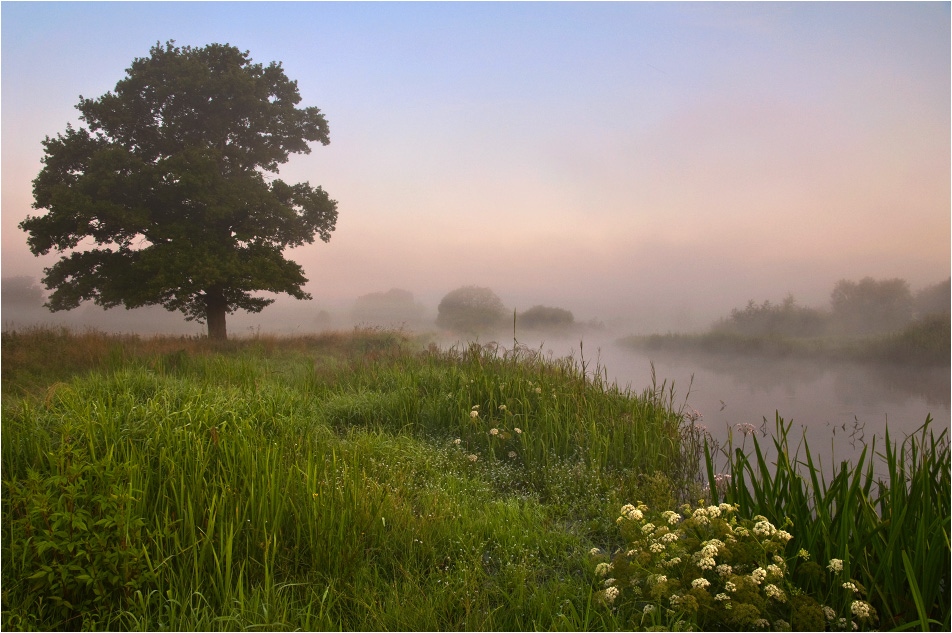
(470, 309)
(165, 197)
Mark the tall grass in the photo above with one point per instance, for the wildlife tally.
(357, 482)
(891, 532)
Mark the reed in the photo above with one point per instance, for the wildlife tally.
(886, 516)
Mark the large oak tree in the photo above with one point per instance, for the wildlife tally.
(167, 198)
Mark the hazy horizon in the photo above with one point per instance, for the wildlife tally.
(659, 163)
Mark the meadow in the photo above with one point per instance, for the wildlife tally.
(369, 480)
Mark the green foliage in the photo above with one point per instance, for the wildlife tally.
(470, 309)
(168, 181)
(76, 538)
(873, 519)
(718, 570)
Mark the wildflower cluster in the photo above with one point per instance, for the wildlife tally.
(716, 569)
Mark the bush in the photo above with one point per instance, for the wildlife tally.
(470, 309)
(394, 307)
(545, 318)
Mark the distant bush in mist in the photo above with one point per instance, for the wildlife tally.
(871, 306)
(393, 307)
(541, 317)
(21, 292)
(934, 299)
(786, 319)
(470, 309)
(857, 308)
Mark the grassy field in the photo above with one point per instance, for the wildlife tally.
(365, 480)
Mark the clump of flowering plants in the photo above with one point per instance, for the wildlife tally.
(712, 569)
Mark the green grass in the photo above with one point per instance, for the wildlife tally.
(367, 481)
(891, 531)
(315, 484)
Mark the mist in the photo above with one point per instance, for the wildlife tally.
(648, 167)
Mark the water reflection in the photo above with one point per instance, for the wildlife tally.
(835, 405)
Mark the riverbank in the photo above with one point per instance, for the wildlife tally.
(368, 480)
(927, 342)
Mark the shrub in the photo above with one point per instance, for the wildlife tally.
(719, 571)
(545, 318)
(470, 309)
(393, 307)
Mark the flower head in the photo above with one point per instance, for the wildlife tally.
(518, 431)
(835, 566)
(611, 593)
(474, 414)
(473, 458)
(861, 609)
(773, 591)
(494, 431)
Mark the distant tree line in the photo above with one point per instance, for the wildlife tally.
(860, 308)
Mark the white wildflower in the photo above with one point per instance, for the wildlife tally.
(835, 566)
(474, 414)
(473, 458)
(706, 563)
(722, 596)
(494, 431)
(700, 583)
(850, 587)
(730, 586)
(602, 569)
(764, 528)
(829, 613)
(656, 547)
(758, 575)
(774, 571)
(518, 431)
(773, 591)
(724, 570)
(611, 593)
(860, 609)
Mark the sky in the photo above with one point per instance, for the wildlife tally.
(649, 164)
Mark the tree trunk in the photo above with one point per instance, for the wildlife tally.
(215, 310)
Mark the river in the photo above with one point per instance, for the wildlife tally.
(836, 406)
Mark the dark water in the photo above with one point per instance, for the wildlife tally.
(837, 406)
